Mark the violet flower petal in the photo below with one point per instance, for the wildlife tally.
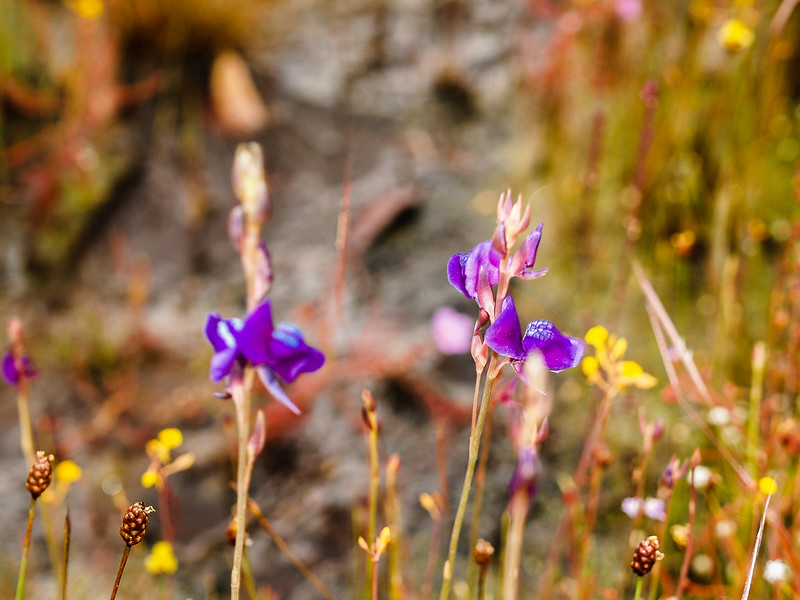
(10, 372)
(559, 351)
(291, 356)
(221, 363)
(253, 340)
(463, 269)
(455, 272)
(271, 384)
(504, 336)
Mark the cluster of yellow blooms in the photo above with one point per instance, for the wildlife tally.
(606, 369)
(161, 463)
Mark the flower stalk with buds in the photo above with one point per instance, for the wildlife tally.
(250, 346)
(132, 530)
(484, 274)
(39, 477)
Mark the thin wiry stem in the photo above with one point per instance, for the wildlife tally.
(241, 399)
(25, 550)
(474, 447)
(65, 552)
(759, 535)
(122, 562)
(255, 510)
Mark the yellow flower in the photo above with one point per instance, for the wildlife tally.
(606, 368)
(68, 472)
(597, 336)
(171, 437)
(161, 559)
(734, 35)
(767, 486)
(150, 479)
(157, 451)
(88, 9)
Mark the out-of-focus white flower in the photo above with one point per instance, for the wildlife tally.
(653, 508)
(776, 571)
(724, 529)
(719, 416)
(701, 475)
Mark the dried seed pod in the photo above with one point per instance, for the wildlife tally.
(645, 556)
(134, 523)
(483, 553)
(40, 475)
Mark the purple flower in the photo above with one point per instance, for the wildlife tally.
(505, 337)
(464, 268)
(10, 371)
(452, 331)
(272, 350)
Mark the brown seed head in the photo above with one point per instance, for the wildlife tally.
(40, 475)
(645, 556)
(483, 553)
(134, 523)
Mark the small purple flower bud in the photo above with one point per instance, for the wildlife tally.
(262, 282)
(258, 438)
(658, 429)
(452, 330)
(524, 258)
(499, 243)
(249, 181)
(11, 368)
(526, 474)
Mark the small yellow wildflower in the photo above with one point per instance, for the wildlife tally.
(606, 369)
(157, 451)
(150, 479)
(68, 472)
(767, 486)
(170, 437)
(161, 559)
(88, 9)
(734, 35)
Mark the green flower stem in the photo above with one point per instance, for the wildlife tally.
(26, 548)
(474, 447)
(638, 594)
(477, 503)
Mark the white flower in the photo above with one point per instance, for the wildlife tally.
(719, 416)
(776, 571)
(702, 477)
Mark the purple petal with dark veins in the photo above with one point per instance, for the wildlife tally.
(559, 351)
(291, 356)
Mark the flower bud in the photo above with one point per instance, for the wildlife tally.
(249, 182)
